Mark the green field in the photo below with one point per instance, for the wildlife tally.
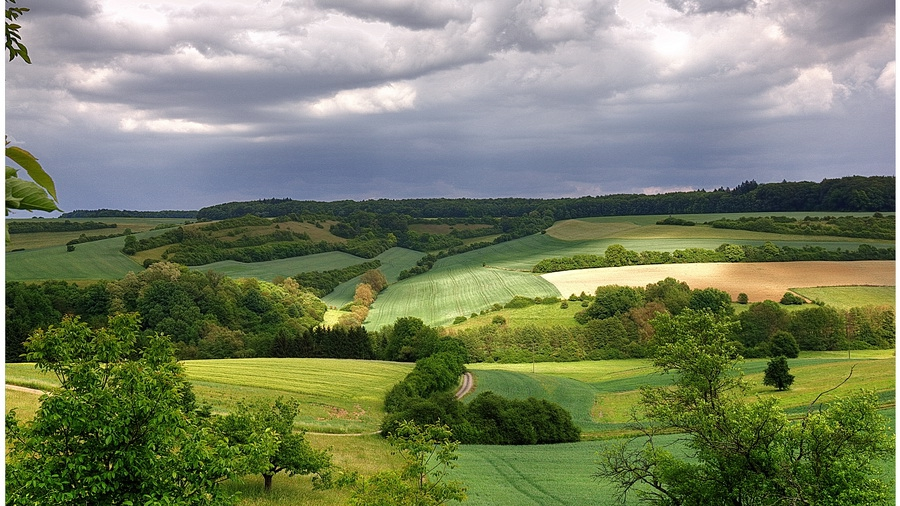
(598, 393)
(267, 271)
(337, 396)
(845, 297)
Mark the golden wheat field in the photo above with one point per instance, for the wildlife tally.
(759, 281)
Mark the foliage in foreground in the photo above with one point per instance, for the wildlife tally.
(429, 453)
(743, 453)
(122, 428)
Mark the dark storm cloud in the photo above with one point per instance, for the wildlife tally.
(413, 14)
(183, 104)
(707, 6)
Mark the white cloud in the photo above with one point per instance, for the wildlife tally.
(813, 91)
(392, 97)
(887, 80)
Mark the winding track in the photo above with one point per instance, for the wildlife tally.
(468, 384)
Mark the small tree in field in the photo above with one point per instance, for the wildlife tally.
(121, 429)
(264, 434)
(429, 452)
(777, 374)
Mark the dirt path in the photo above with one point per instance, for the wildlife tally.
(468, 383)
(24, 389)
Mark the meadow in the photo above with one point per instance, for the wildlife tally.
(599, 394)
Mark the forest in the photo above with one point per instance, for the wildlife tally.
(847, 194)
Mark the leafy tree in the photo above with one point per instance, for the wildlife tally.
(674, 294)
(121, 429)
(374, 278)
(614, 300)
(760, 322)
(429, 453)
(817, 328)
(783, 343)
(777, 374)
(264, 434)
(743, 453)
(713, 299)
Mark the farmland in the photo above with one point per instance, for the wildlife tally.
(470, 282)
(342, 399)
(599, 393)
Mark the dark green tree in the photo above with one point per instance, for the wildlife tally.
(783, 343)
(713, 299)
(121, 429)
(614, 300)
(777, 374)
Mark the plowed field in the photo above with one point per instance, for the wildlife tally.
(759, 281)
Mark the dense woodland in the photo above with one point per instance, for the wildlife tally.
(847, 194)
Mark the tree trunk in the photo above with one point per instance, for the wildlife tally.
(268, 482)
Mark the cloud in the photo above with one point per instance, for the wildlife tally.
(813, 91)
(708, 6)
(413, 14)
(330, 99)
(887, 80)
(389, 98)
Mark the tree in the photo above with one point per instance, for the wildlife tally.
(121, 429)
(374, 278)
(777, 374)
(713, 299)
(743, 453)
(614, 300)
(429, 453)
(783, 343)
(264, 434)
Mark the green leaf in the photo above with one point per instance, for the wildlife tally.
(22, 194)
(28, 162)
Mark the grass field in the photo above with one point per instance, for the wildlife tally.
(845, 297)
(285, 267)
(599, 394)
(336, 396)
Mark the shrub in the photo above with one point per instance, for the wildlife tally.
(791, 299)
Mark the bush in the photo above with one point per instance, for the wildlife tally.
(791, 299)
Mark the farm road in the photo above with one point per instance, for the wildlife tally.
(468, 383)
(24, 389)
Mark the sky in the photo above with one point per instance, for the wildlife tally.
(181, 104)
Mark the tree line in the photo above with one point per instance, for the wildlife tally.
(876, 226)
(846, 194)
(617, 255)
(615, 323)
(41, 225)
